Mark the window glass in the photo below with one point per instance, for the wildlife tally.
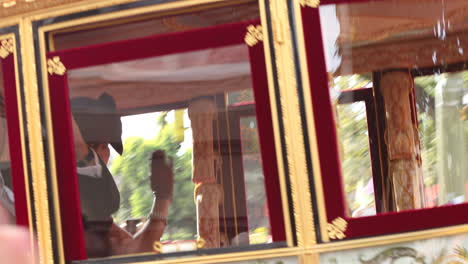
(257, 208)
(157, 158)
(356, 161)
(414, 64)
(442, 103)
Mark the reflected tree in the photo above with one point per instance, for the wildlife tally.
(132, 171)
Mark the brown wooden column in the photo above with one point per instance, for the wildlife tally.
(208, 193)
(402, 138)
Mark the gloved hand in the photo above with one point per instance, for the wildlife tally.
(162, 176)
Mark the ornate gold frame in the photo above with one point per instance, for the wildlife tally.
(45, 234)
(11, 37)
(317, 177)
(307, 248)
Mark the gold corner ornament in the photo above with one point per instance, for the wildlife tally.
(201, 243)
(309, 3)
(157, 246)
(6, 48)
(254, 35)
(55, 66)
(337, 228)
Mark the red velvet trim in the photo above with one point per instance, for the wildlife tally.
(210, 37)
(325, 124)
(391, 223)
(388, 223)
(14, 141)
(65, 162)
(267, 141)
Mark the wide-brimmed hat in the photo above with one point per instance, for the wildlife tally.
(98, 120)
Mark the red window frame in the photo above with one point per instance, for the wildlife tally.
(158, 45)
(335, 207)
(10, 83)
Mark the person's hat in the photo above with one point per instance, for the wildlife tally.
(98, 120)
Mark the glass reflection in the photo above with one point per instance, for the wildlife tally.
(259, 223)
(356, 161)
(442, 103)
(414, 63)
(156, 156)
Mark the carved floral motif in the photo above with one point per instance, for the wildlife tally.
(337, 228)
(254, 35)
(55, 66)
(6, 48)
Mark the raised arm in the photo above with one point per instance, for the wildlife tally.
(81, 148)
(162, 182)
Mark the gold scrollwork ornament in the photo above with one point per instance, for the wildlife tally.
(157, 246)
(310, 3)
(55, 66)
(337, 228)
(254, 35)
(6, 48)
(201, 243)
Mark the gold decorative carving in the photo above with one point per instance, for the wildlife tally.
(15, 7)
(55, 66)
(337, 228)
(177, 246)
(11, 3)
(201, 242)
(157, 246)
(293, 132)
(254, 35)
(310, 3)
(6, 48)
(41, 190)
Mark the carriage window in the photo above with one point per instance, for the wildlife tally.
(419, 96)
(165, 163)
